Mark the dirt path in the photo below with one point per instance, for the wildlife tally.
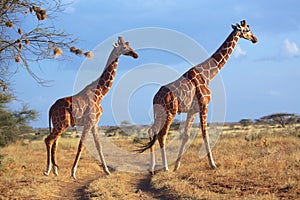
(76, 189)
(119, 185)
(141, 185)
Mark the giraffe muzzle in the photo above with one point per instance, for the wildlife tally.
(135, 55)
(254, 39)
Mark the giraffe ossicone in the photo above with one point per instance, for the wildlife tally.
(84, 109)
(190, 94)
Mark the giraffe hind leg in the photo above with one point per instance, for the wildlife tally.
(48, 147)
(51, 145)
(162, 136)
(152, 151)
(153, 136)
(55, 167)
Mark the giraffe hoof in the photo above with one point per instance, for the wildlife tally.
(107, 172)
(46, 174)
(55, 171)
(152, 172)
(74, 177)
(213, 166)
(177, 165)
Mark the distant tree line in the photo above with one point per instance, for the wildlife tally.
(281, 119)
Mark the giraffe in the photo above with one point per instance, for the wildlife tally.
(190, 94)
(84, 109)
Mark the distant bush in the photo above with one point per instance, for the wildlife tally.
(137, 140)
(175, 125)
(254, 137)
(64, 135)
(246, 122)
(1, 158)
(112, 131)
(13, 123)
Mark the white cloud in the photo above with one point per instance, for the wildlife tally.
(238, 52)
(290, 49)
(274, 93)
(287, 50)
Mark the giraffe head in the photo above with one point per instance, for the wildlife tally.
(123, 48)
(245, 31)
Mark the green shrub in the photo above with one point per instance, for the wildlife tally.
(246, 122)
(254, 137)
(13, 123)
(137, 140)
(1, 158)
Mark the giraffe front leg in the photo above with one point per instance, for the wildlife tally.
(99, 149)
(79, 151)
(189, 121)
(203, 122)
(164, 158)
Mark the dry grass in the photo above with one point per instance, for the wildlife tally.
(255, 162)
(117, 186)
(21, 171)
(266, 168)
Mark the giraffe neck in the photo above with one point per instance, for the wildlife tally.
(222, 55)
(216, 62)
(106, 79)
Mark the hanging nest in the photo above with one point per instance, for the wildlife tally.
(57, 52)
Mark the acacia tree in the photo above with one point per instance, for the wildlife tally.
(280, 118)
(27, 35)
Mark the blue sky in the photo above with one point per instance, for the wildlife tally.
(258, 79)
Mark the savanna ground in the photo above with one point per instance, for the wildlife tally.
(254, 162)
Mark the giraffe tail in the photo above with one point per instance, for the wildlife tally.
(144, 147)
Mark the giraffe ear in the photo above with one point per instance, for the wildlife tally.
(115, 44)
(236, 26)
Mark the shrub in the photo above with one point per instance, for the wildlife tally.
(246, 122)
(137, 140)
(254, 137)
(1, 158)
(13, 123)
